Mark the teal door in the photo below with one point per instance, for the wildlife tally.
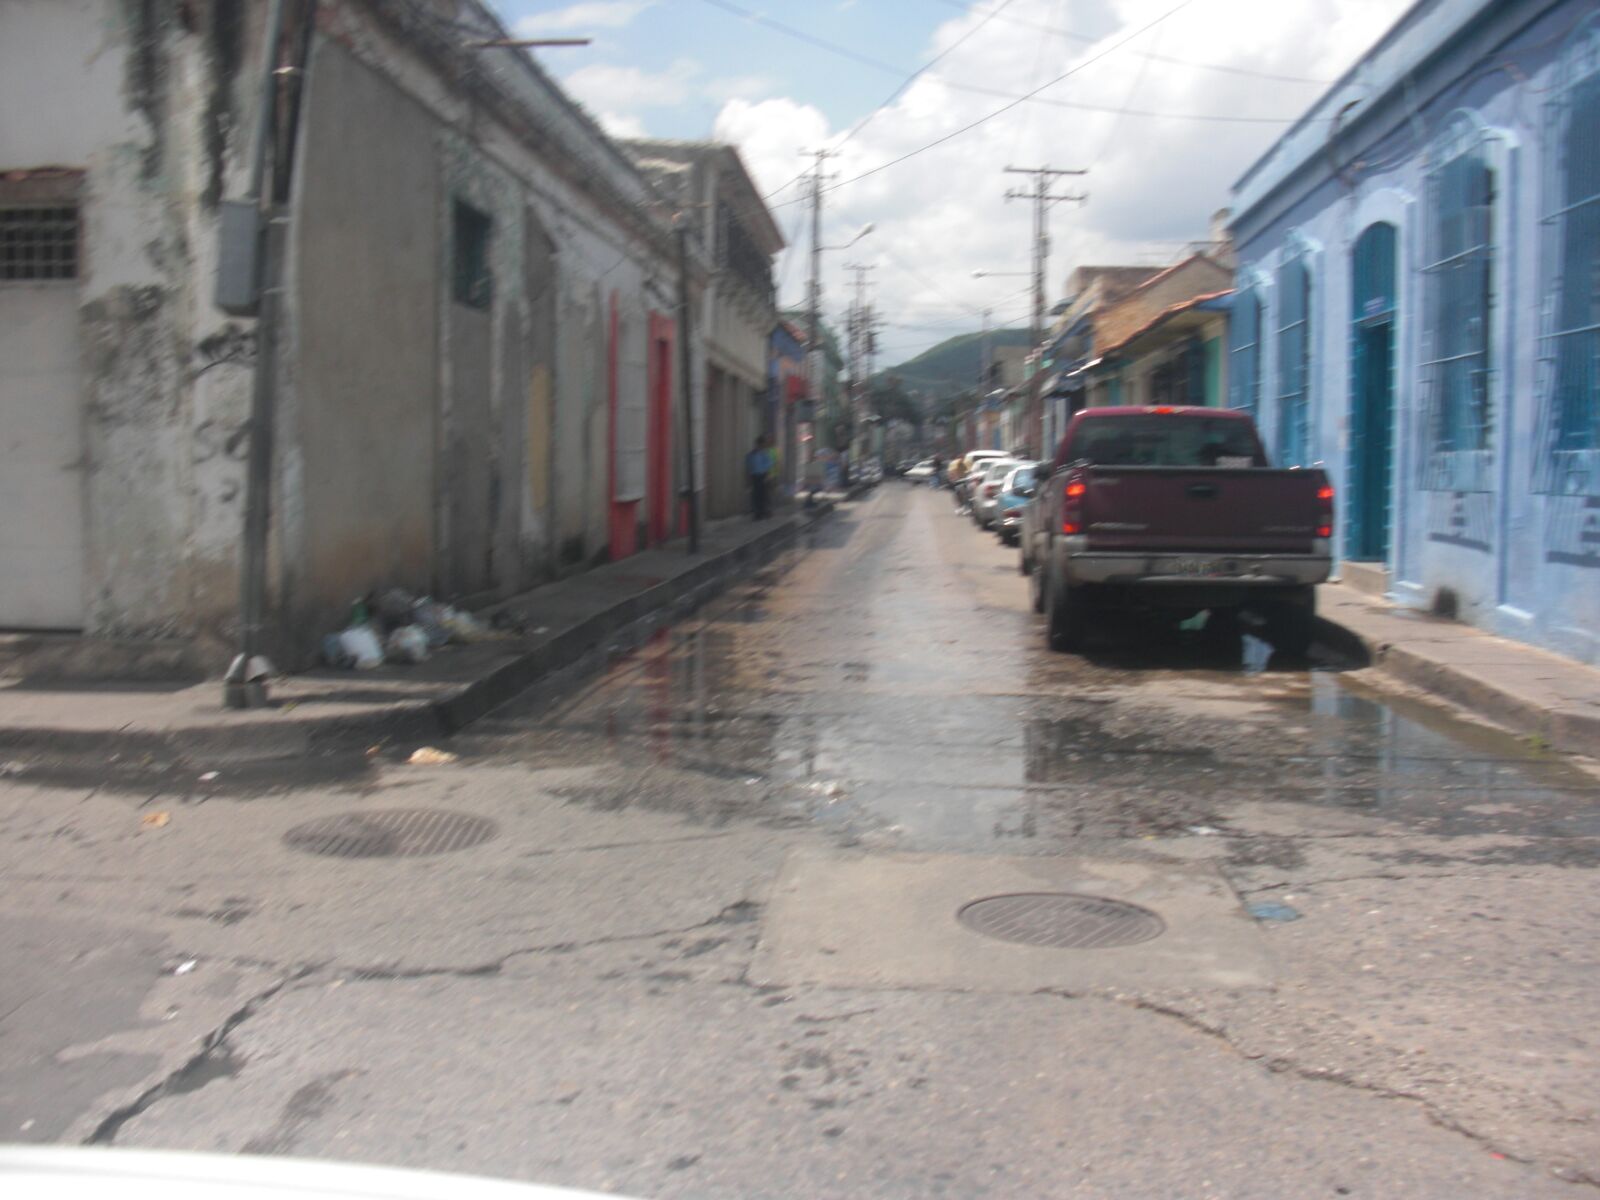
(1370, 487)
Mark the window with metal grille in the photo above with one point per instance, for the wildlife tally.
(1456, 303)
(1294, 361)
(38, 243)
(1570, 353)
(1244, 347)
(473, 281)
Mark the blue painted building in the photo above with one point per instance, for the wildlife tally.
(1418, 310)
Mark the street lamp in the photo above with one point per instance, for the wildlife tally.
(860, 233)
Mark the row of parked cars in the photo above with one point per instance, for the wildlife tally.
(1160, 514)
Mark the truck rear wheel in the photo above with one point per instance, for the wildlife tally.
(1065, 615)
(1291, 621)
(1036, 583)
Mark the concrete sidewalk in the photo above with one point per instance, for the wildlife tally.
(334, 711)
(1521, 687)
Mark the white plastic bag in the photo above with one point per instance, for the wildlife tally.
(361, 643)
(408, 644)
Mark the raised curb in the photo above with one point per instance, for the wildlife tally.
(406, 721)
(1477, 689)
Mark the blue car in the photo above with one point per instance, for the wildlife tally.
(1015, 491)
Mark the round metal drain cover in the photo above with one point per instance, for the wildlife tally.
(1061, 920)
(390, 833)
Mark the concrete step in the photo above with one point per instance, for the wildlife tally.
(1369, 578)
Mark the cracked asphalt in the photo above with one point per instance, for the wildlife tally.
(607, 994)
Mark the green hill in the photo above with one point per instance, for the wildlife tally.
(952, 366)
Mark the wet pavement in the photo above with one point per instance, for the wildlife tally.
(712, 947)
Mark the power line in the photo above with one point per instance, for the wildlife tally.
(1005, 108)
(904, 84)
(1056, 31)
(976, 89)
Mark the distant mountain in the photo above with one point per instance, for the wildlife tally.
(953, 365)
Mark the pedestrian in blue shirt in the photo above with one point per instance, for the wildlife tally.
(758, 466)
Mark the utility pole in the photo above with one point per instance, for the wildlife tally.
(814, 300)
(862, 336)
(1043, 201)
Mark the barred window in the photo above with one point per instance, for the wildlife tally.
(1244, 352)
(38, 243)
(1457, 299)
(1294, 362)
(1570, 353)
(472, 278)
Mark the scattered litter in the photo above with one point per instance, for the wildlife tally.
(429, 616)
(427, 756)
(752, 781)
(463, 626)
(16, 768)
(208, 777)
(361, 643)
(334, 653)
(542, 629)
(184, 968)
(1204, 830)
(408, 644)
(374, 751)
(1272, 911)
(154, 820)
(396, 607)
(26, 1125)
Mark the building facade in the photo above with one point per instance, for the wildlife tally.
(736, 312)
(477, 337)
(1162, 342)
(1417, 311)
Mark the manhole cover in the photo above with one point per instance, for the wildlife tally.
(1061, 920)
(390, 833)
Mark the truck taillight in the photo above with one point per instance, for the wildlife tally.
(1325, 513)
(1071, 521)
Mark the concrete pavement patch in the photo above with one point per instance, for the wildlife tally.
(889, 921)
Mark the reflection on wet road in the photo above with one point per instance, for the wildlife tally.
(890, 683)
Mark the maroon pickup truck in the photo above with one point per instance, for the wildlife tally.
(1168, 512)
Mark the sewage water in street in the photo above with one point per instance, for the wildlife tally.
(889, 681)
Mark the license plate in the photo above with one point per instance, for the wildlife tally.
(1193, 566)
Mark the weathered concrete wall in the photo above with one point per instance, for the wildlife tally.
(117, 89)
(1502, 552)
(360, 419)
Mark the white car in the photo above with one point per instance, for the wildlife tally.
(920, 473)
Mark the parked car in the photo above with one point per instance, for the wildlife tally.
(986, 491)
(972, 462)
(1015, 491)
(1169, 511)
(920, 473)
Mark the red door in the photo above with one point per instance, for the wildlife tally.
(658, 479)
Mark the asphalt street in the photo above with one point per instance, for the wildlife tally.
(699, 925)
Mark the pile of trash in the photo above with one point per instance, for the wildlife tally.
(398, 627)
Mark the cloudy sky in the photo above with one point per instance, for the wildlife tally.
(1164, 103)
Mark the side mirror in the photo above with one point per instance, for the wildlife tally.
(1027, 491)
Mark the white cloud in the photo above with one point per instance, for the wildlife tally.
(589, 14)
(627, 90)
(738, 87)
(1155, 180)
(621, 125)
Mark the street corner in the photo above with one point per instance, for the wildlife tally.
(999, 924)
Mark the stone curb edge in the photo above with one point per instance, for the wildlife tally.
(411, 721)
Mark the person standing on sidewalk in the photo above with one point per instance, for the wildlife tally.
(758, 466)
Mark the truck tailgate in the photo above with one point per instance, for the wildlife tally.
(1226, 510)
